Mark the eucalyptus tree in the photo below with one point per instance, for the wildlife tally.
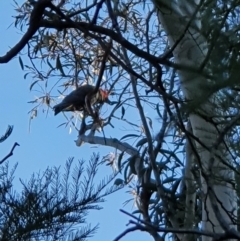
(172, 69)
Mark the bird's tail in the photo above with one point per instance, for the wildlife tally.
(57, 109)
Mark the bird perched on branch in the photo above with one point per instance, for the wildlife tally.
(76, 100)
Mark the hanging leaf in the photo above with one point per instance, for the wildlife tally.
(21, 62)
(33, 114)
(123, 112)
(129, 135)
(149, 122)
(58, 62)
(142, 142)
(110, 69)
(25, 76)
(158, 111)
(59, 65)
(63, 124)
(120, 161)
(136, 212)
(132, 161)
(31, 86)
(125, 173)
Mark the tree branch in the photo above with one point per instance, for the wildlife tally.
(129, 230)
(83, 26)
(100, 75)
(10, 153)
(216, 236)
(34, 21)
(113, 142)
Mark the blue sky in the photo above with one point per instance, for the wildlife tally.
(46, 145)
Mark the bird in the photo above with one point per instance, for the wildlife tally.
(75, 101)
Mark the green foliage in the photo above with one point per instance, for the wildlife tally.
(52, 205)
(7, 134)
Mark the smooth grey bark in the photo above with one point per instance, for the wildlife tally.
(181, 21)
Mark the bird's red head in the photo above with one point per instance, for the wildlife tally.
(104, 94)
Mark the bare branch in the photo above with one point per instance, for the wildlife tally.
(35, 18)
(10, 153)
(121, 146)
(216, 236)
(129, 230)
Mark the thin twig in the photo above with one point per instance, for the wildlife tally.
(216, 236)
(10, 153)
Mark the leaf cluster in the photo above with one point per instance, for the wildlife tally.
(52, 205)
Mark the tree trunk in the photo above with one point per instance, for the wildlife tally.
(181, 21)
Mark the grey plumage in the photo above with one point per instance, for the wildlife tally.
(75, 101)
